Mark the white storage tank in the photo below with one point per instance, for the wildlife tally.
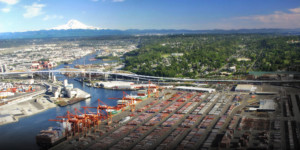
(65, 82)
(71, 93)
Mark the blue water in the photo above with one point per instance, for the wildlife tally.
(21, 135)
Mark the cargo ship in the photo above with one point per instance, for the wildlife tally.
(69, 126)
(67, 63)
(55, 135)
(92, 59)
(139, 96)
(51, 137)
(136, 97)
(112, 111)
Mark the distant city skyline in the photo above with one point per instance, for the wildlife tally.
(28, 15)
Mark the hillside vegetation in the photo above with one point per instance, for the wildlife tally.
(198, 56)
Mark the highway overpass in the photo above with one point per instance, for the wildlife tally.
(144, 77)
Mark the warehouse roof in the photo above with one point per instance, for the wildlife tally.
(266, 104)
(245, 87)
(195, 89)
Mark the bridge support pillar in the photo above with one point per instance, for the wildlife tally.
(90, 77)
(105, 77)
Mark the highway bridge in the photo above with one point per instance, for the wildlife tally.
(144, 77)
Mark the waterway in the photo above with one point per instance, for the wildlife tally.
(21, 135)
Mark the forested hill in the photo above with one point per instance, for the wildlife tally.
(198, 56)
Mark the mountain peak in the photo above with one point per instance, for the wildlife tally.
(74, 24)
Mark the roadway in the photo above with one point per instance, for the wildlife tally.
(144, 77)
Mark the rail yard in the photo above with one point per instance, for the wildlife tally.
(173, 119)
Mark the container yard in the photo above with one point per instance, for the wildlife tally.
(181, 120)
(21, 100)
(9, 91)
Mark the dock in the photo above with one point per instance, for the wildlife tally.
(179, 120)
(156, 123)
(81, 96)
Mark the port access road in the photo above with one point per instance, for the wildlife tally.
(144, 77)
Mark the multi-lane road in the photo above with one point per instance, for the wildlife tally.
(144, 77)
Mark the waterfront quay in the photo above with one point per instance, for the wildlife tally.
(196, 120)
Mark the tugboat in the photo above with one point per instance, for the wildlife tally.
(88, 84)
(92, 59)
(67, 63)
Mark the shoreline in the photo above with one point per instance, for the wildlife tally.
(31, 107)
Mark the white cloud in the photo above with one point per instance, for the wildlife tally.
(278, 19)
(295, 10)
(5, 10)
(10, 2)
(118, 0)
(50, 17)
(95, 0)
(33, 10)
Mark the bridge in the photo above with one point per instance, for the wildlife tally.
(145, 77)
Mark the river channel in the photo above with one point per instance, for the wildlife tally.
(21, 134)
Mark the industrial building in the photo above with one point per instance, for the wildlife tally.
(185, 88)
(245, 88)
(115, 84)
(266, 105)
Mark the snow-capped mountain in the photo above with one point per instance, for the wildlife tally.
(74, 24)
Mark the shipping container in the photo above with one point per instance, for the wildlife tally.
(174, 119)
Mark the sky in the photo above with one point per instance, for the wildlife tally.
(28, 15)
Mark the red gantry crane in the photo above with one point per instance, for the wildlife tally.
(73, 121)
(82, 122)
(124, 99)
(151, 89)
(100, 114)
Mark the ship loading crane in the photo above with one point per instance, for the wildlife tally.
(75, 122)
(106, 108)
(152, 88)
(158, 89)
(82, 122)
(79, 124)
(89, 119)
(149, 89)
(94, 119)
(131, 100)
(101, 113)
(83, 119)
